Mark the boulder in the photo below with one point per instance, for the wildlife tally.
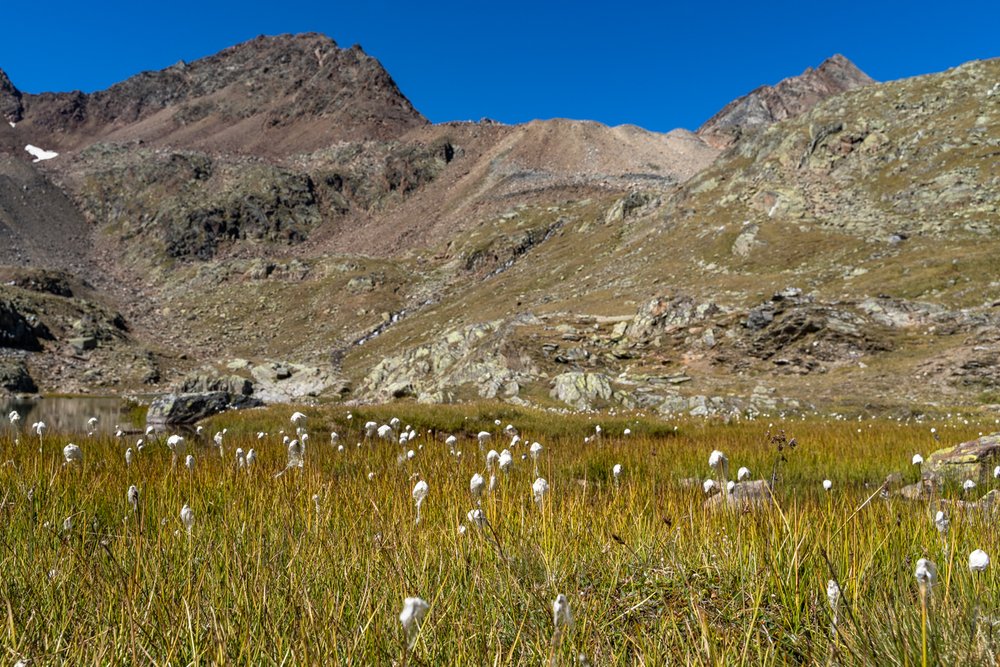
(190, 408)
(14, 377)
(973, 460)
(18, 331)
(745, 495)
(582, 390)
(202, 382)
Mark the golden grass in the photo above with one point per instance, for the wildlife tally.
(652, 577)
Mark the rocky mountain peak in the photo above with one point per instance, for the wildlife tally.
(10, 100)
(272, 94)
(786, 99)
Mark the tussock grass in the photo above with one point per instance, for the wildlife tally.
(652, 576)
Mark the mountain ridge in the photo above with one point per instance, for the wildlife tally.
(557, 262)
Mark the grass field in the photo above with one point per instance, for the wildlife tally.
(312, 567)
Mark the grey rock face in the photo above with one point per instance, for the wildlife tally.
(190, 408)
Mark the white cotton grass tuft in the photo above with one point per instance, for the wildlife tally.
(251, 457)
(385, 431)
(476, 486)
(477, 517)
(72, 454)
(616, 472)
(627, 432)
(743, 474)
(133, 497)
(536, 451)
(420, 491)
(128, 457)
(833, 597)
(968, 485)
(716, 459)
(483, 437)
(827, 485)
(492, 457)
(298, 417)
(978, 561)
(730, 487)
(941, 522)
(187, 518)
(917, 460)
(708, 485)
(177, 448)
(926, 575)
(539, 489)
(506, 461)
(414, 611)
(562, 616)
(996, 472)
(189, 463)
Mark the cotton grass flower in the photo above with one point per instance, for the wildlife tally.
(506, 461)
(926, 575)
(476, 486)
(616, 472)
(133, 497)
(187, 518)
(72, 454)
(562, 616)
(420, 490)
(414, 611)
(743, 474)
(708, 485)
(539, 489)
(833, 597)
(177, 447)
(189, 463)
(827, 485)
(917, 460)
(251, 458)
(128, 457)
(477, 517)
(297, 417)
(968, 485)
(492, 457)
(978, 561)
(483, 437)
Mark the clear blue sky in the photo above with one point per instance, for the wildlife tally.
(659, 65)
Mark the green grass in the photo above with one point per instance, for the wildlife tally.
(652, 576)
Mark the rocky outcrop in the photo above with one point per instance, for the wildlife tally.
(11, 107)
(206, 382)
(472, 361)
(19, 331)
(190, 408)
(974, 459)
(582, 391)
(789, 97)
(14, 377)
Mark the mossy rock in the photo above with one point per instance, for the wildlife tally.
(973, 460)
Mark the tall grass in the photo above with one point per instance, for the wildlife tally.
(652, 576)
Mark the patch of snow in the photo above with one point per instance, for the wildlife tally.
(40, 154)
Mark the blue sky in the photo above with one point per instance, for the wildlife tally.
(659, 65)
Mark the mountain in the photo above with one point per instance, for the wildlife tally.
(786, 99)
(837, 254)
(271, 96)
